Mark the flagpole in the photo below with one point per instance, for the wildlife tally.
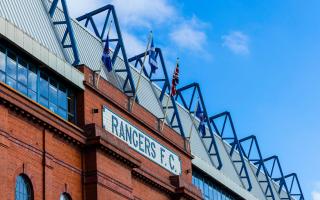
(165, 112)
(193, 119)
(167, 105)
(101, 61)
(141, 70)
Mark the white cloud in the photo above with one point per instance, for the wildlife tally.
(315, 195)
(189, 35)
(143, 12)
(132, 44)
(237, 42)
(144, 15)
(316, 192)
(131, 13)
(128, 12)
(80, 7)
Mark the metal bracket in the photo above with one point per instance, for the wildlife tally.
(68, 32)
(196, 92)
(128, 84)
(164, 83)
(231, 138)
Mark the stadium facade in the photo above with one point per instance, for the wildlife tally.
(68, 129)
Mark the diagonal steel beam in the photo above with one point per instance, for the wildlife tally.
(232, 139)
(187, 103)
(128, 87)
(68, 31)
(250, 152)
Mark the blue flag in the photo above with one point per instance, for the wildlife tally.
(152, 58)
(202, 118)
(106, 58)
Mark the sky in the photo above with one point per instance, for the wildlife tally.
(259, 60)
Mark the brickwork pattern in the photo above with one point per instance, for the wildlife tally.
(85, 160)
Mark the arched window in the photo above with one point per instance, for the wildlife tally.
(65, 196)
(24, 189)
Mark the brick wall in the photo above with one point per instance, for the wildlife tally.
(85, 160)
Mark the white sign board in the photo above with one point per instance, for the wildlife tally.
(141, 142)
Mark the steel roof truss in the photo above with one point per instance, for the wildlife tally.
(212, 149)
(253, 154)
(276, 174)
(231, 138)
(69, 33)
(128, 87)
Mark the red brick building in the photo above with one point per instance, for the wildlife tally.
(71, 130)
(86, 161)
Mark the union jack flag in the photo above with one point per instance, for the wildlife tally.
(175, 81)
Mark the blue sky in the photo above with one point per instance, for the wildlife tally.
(260, 60)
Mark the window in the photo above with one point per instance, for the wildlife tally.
(206, 190)
(62, 101)
(71, 106)
(44, 89)
(65, 196)
(22, 77)
(53, 95)
(37, 83)
(11, 70)
(32, 82)
(24, 189)
(210, 193)
(210, 190)
(2, 64)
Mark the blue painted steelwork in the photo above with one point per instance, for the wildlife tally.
(128, 86)
(294, 192)
(251, 150)
(175, 121)
(232, 139)
(272, 172)
(283, 180)
(69, 30)
(196, 92)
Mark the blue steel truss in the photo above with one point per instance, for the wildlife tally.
(294, 192)
(274, 171)
(128, 86)
(231, 138)
(69, 30)
(283, 180)
(175, 121)
(251, 150)
(196, 92)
